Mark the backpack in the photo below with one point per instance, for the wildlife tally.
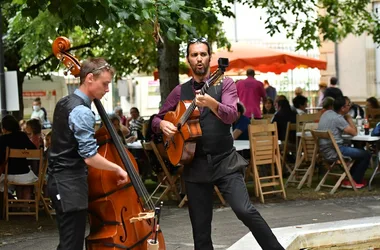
(376, 130)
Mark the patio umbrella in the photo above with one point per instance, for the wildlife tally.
(245, 56)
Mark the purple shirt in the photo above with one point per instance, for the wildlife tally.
(227, 109)
(250, 92)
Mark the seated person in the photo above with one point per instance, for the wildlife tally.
(136, 123)
(278, 98)
(34, 131)
(353, 112)
(22, 124)
(18, 169)
(119, 112)
(116, 124)
(268, 107)
(338, 122)
(372, 103)
(327, 104)
(300, 103)
(283, 115)
(240, 126)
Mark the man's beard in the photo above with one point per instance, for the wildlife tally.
(201, 72)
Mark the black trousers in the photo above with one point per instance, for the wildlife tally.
(71, 225)
(232, 186)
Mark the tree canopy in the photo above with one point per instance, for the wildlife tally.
(122, 30)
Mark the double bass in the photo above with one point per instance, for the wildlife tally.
(181, 147)
(120, 217)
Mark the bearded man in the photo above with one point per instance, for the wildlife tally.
(215, 161)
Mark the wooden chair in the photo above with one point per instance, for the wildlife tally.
(339, 167)
(265, 151)
(33, 155)
(288, 146)
(261, 121)
(166, 180)
(305, 118)
(305, 159)
(268, 117)
(46, 201)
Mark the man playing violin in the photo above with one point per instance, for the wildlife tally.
(215, 161)
(73, 148)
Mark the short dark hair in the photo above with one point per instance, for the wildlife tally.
(334, 80)
(339, 103)
(240, 108)
(299, 100)
(10, 124)
(35, 125)
(250, 72)
(198, 40)
(328, 102)
(136, 109)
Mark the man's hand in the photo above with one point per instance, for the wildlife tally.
(205, 101)
(123, 176)
(168, 128)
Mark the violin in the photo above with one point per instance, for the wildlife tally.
(120, 217)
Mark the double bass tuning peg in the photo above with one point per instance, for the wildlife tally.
(68, 64)
(69, 68)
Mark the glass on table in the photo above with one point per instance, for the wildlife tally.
(360, 130)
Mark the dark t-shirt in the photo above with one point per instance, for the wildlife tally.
(17, 140)
(242, 124)
(282, 118)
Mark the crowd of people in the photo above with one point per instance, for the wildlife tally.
(226, 112)
(336, 114)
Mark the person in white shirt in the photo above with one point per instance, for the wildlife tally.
(38, 113)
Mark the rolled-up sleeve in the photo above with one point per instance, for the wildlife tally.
(227, 109)
(82, 122)
(169, 105)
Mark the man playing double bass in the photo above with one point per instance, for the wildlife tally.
(216, 161)
(73, 148)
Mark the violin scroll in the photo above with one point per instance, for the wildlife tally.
(60, 47)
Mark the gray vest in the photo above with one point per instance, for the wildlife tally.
(216, 135)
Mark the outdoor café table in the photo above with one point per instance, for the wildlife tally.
(135, 145)
(244, 144)
(241, 144)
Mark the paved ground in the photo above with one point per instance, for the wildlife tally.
(226, 228)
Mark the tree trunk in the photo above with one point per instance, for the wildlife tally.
(168, 67)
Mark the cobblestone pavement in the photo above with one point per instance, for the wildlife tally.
(227, 229)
